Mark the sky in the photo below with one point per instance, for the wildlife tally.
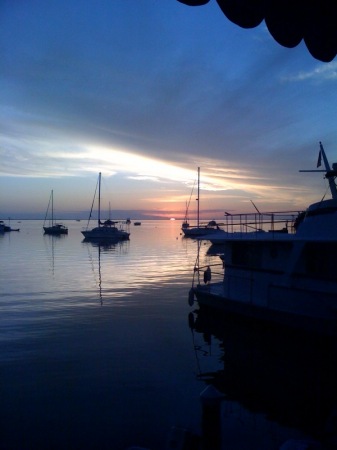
(147, 91)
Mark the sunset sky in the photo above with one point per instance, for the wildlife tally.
(145, 91)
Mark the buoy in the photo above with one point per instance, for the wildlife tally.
(191, 297)
(207, 275)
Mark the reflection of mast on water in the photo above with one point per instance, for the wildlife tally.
(52, 238)
(99, 282)
(103, 248)
(100, 275)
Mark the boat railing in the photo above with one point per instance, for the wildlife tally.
(277, 222)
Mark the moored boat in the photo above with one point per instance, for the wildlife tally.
(105, 230)
(5, 228)
(286, 274)
(55, 229)
(200, 229)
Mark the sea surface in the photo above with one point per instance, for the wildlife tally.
(100, 349)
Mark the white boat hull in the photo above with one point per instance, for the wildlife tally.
(302, 305)
(56, 230)
(201, 231)
(106, 234)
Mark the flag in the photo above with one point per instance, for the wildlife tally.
(319, 161)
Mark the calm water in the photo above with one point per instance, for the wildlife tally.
(100, 349)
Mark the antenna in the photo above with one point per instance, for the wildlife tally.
(255, 207)
(329, 174)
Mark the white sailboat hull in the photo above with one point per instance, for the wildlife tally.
(106, 233)
(56, 230)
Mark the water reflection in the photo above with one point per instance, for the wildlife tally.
(109, 246)
(279, 385)
(104, 247)
(50, 241)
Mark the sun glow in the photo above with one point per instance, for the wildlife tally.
(144, 182)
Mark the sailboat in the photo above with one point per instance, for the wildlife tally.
(199, 229)
(54, 228)
(4, 227)
(107, 230)
(186, 218)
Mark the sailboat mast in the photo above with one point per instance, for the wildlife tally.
(52, 208)
(198, 213)
(99, 199)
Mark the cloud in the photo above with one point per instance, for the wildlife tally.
(320, 73)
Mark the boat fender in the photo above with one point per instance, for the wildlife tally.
(191, 321)
(207, 275)
(191, 297)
